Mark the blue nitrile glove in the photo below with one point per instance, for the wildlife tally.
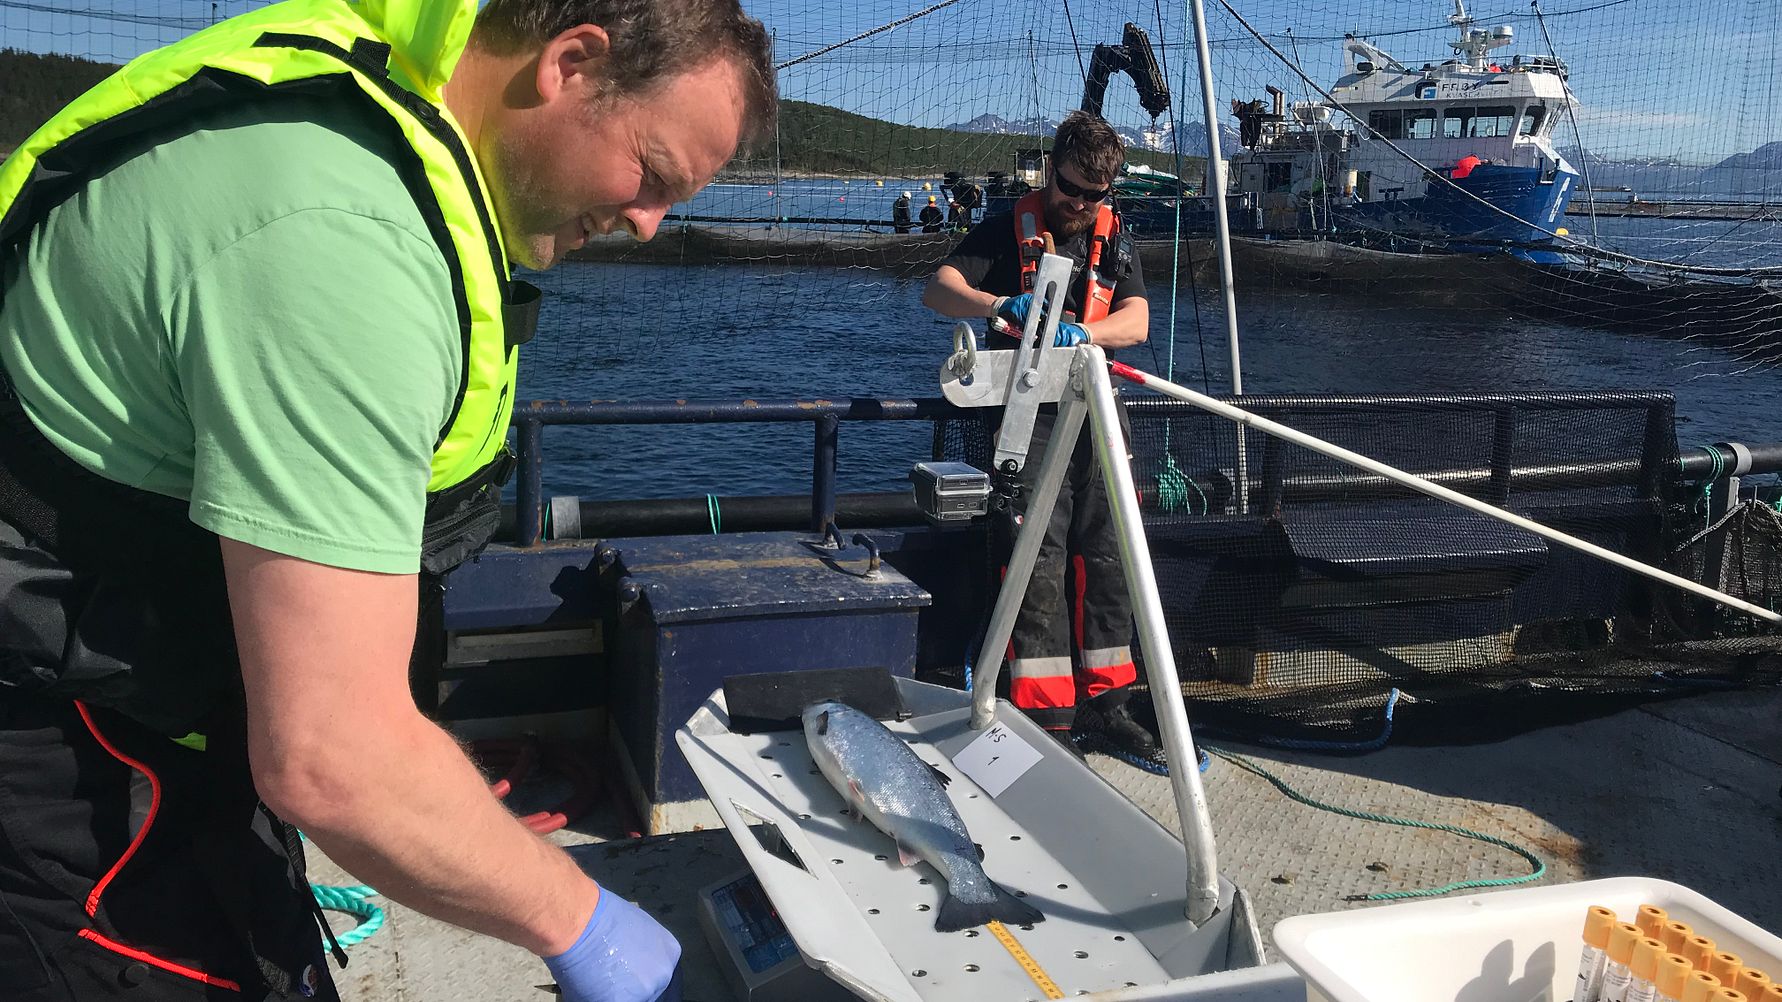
(1013, 309)
(1069, 335)
(623, 955)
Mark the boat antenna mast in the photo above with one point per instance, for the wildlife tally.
(1475, 44)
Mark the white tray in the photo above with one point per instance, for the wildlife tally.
(1519, 945)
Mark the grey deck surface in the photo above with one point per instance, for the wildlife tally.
(1688, 790)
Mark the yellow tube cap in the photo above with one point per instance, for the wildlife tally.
(1771, 993)
(1700, 986)
(1674, 933)
(1752, 982)
(1726, 967)
(1698, 950)
(1597, 923)
(1645, 958)
(1651, 919)
(1621, 941)
(1725, 994)
(1673, 971)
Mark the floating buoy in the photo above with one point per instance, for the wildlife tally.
(1562, 231)
(927, 187)
(842, 198)
(880, 182)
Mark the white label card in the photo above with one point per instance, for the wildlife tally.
(996, 759)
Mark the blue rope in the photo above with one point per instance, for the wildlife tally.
(351, 900)
(1155, 766)
(1371, 744)
(712, 512)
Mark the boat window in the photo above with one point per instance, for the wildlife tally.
(1420, 124)
(1533, 119)
(1387, 124)
(1494, 120)
(1456, 122)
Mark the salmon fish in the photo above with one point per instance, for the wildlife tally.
(887, 783)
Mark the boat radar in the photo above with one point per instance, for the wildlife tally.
(1475, 43)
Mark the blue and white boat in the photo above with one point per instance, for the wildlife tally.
(1452, 153)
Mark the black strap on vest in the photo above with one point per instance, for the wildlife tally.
(519, 315)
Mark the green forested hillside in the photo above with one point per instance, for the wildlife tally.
(33, 87)
(814, 138)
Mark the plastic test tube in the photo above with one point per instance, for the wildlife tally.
(1674, 933)
(1752, 982)
(1646, 954)
(1616, 976)
(1597, 923)
(1726, 967)
(1673, 972)
(1700, 986)
(1698, 950)
(1651, 919)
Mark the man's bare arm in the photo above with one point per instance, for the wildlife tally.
(1127, 324)
(339, 750)
(950, 295)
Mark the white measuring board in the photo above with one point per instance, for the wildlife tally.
(996, 759)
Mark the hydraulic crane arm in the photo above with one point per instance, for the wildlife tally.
(1134, 57)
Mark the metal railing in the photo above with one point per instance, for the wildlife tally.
(825, 417)
(1696, 465)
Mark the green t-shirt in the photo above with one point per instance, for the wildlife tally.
(251, 318)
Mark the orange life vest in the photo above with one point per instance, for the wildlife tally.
(1030, 232)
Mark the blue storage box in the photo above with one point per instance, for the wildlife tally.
(691, 611)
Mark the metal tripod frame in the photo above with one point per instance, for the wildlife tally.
(1088, 392)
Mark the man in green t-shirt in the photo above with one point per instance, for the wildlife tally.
(239, 335)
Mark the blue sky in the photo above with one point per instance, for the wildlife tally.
(1695, 81)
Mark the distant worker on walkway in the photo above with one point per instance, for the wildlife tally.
(1076, 611)
(966, 199)
(900, 213)
(1465, 167)
(258, 341)
(932, 216)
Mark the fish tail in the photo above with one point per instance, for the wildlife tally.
(1003, 907)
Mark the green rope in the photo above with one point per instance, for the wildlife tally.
(1706, 499)
(712, 512)
(1540, 867)
(1173, 486)
(351, 900)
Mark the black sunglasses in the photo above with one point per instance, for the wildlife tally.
(1075, 191)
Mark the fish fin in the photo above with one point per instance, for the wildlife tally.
(980, 848)
(906, 857)
(943, 777)
(823, 723)
(856, 793)
(1006, 908)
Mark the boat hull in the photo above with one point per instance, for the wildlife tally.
(1495, 203)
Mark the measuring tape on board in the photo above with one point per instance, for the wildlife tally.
(1025, 959)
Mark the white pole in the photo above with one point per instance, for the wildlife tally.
(1160, 660)
(1434, 490)
(1215, 187)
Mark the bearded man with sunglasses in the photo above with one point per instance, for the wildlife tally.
(1076, 614)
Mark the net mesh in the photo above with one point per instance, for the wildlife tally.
(1301, 615)
(1332, 593)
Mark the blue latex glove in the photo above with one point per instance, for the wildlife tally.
(1069, 335)
(623, 955)
(1014, 309)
